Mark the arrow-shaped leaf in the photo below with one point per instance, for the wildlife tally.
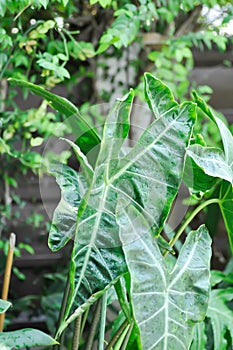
(148, 177)
(166, 304)
(158, 96)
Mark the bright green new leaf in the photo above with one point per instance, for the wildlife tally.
(85, 136)
(25, 338)
(148, 177)
(221, 317)
(167, 304)
(158, 96)
(103, 3)
(4, 305)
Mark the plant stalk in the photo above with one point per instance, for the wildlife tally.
(124, 345)
(102, 321)
(117, 335)
(94, 326)
(62, 311)
(76, 337)
(189, 219)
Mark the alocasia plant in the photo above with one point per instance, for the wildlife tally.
(115, 212)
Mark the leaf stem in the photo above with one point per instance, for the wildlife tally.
(102, 321)
(63, 309)
(76, 336)
(94, 325)
(117, 335)
(124, 345)
(189, 219)
(84, 319)
(122, 299)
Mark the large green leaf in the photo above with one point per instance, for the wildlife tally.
(4, 305)
(167, 304)
(24, 338)
(221, 317)
(148, 177)
(85, 136)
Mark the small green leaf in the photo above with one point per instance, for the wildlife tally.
(4, 306)
(25, 338)
(158, 96)
(37, 141)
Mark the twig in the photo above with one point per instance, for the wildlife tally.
(7, 274)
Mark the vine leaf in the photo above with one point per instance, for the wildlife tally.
(166, 304)
(25, 338)
(148, 177)
(221, 316)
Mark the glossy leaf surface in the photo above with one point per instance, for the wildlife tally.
(211, 161)
(148, 177)
(158, 96)
(24, 338)
(167, 304)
